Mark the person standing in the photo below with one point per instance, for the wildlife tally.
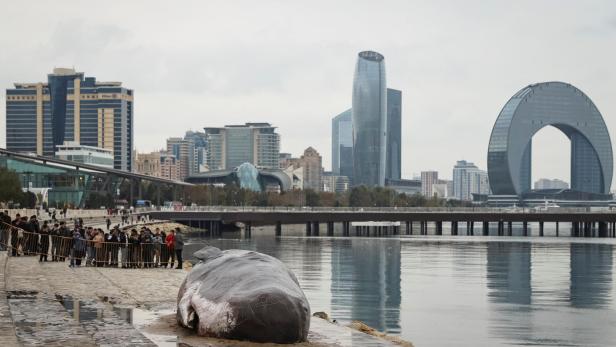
(108, 223)
(170, 243)
(98, 248)
(122, 239)
(164, 251)
(179, 246)
(44, 244)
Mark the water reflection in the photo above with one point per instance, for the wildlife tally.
(485, 291)
(366, 282)
(591, 275)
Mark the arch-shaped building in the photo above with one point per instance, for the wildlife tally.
(568, 109)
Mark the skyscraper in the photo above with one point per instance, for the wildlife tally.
(71, 107)
(369, 114)
(342, 144)
(232, 145)
(394, 134)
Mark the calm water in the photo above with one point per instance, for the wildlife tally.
(462, 291)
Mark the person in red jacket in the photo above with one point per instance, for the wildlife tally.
(170, 242)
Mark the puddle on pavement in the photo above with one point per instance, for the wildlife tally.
(106, 321)
(91, 310)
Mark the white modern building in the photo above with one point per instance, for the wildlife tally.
(546, 183)
(468, 179)
(73, 151)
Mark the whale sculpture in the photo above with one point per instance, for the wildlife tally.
(245, 295)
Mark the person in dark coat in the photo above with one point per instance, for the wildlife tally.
(15, 231)
(44, 242)
(179, 247)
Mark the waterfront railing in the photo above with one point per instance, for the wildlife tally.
(48, 247)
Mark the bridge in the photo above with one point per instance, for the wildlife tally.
(398, 221)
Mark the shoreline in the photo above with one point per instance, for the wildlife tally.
(39, 291)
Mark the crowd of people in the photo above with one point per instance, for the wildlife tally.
(117, 247)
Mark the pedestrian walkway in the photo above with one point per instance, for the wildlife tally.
(8, 336)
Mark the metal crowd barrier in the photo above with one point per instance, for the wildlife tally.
(19, 242)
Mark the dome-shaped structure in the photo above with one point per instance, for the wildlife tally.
(248, 176)
(560, 105)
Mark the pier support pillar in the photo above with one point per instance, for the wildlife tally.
(439, 228)
(485, 230)
(541, 228)
(603, 229)
(330, 228)
(278, 229)
(501, 228)
(308, 229)
(525, 228)
(454, 228)
(557, 229)
(315, 228)
(247, 229)
(509, 228)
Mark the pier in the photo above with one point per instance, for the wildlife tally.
(391, 221)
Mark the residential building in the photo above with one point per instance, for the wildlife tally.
(198, 142)
(409, 187)
(183, 150)
(170, 167)
(232, 145)
(369, 114)
(428, 179)
(469, 180)
(342, 144)
(311, 161)
(546, 183)
(439, 190)
(85, 154)
(71, 107)
(148, 163)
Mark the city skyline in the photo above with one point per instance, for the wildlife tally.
(448, 67)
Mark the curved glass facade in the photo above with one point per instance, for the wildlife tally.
(568, 109)
(369, 113)
(248, 175)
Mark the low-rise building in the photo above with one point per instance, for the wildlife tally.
(73, 151)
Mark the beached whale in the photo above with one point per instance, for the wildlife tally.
(244, 295)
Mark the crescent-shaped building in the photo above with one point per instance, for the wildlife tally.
(564, 107)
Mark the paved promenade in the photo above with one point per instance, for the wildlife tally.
(50, 304)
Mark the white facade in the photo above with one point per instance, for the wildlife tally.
(468, 179)
(73, 151)
(428, 179)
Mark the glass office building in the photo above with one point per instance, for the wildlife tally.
(394, 134)
(564, 107)
(342, 144)
(71, 107)
(369, 114)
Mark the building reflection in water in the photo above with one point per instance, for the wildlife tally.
(365, 282)
(591, 275)
(528, 286)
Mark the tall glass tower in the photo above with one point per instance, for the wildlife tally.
(342, 144)
(369, 113)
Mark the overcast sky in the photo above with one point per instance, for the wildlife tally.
(211, 63)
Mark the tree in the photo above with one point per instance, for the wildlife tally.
(312, 198)
(10, 186)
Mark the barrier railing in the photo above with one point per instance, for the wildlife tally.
(82, 251)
